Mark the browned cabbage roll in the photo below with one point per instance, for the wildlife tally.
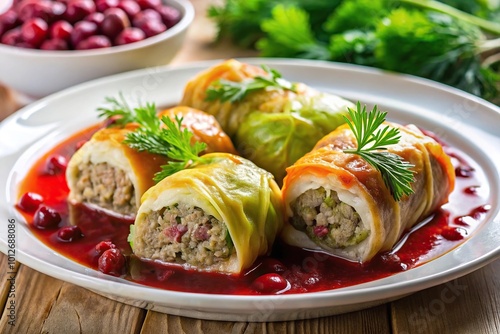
(107, 174)
(338, 203)
(231, 114)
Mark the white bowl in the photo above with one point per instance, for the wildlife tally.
(38, 73)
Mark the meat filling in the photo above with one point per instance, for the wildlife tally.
(107, 187)
(326, 220)
(185, 234)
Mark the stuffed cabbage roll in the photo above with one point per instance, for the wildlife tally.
(219, 216)
(231, 114)
(338, 203)
(109, 175)
(271, 127)
(275, 141)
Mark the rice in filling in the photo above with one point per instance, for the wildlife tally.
(326, 220)
(107, 187)
(185, 234)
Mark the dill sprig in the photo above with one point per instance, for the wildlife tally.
(372, 141)
(120, 113)
(226, 90)
(179, 149)
(155, 135)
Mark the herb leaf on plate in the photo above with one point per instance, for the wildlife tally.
(155, 135)
(226, 90)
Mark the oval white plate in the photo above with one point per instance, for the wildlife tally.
(463, 120)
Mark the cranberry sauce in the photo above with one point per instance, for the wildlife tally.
(100, 240)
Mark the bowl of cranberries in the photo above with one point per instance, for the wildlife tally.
(49, 45)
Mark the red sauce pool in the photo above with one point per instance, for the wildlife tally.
(304, 271)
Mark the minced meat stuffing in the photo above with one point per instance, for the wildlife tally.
(325, 219)
(107, 187)
(185, 234)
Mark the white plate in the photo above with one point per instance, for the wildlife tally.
(463, 120)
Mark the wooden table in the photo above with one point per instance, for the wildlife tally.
(48, 305)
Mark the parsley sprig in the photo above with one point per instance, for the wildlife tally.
(121, 114)
(179, 149)
(373, 141)
(226, 90)
(162, 136)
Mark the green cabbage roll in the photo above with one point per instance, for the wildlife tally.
(272, 127)
(216, 217)
(275, 141)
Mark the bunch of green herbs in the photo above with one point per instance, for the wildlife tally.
(456, 42)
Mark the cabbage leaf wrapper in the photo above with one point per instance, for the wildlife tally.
(274, 141)
(338, 203)
(231, 114)
(105, 173)
(218, 216)
(271, 127)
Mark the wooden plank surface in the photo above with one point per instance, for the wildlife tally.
(373, 320)
(8, 102)
(46, 305)
(35, 294)
(8, 276)
(470, 304)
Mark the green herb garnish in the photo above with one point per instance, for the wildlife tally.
(159, 136)
(456, 42)
(226, 90)
(119, 111)
(180, 148)
(372, 147)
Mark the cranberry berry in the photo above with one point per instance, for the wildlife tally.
(149, 4)
(169, 15)
(153, 28)
(56, 164)
(69, 233)
(269, 283)
(61, 30)
(104, 246)
(94, 42)
(115, 20)
(30, 202)
(58, 10)
(34, 31)
(130, 7)
(146, 15)
(78, 9)
(28, 10)
(12, 37)
(83, 30)
(8, 20)
(96, 17)
(46, 218)
(112, 262)
(102, 5)
(130, 35)
(55, 44)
